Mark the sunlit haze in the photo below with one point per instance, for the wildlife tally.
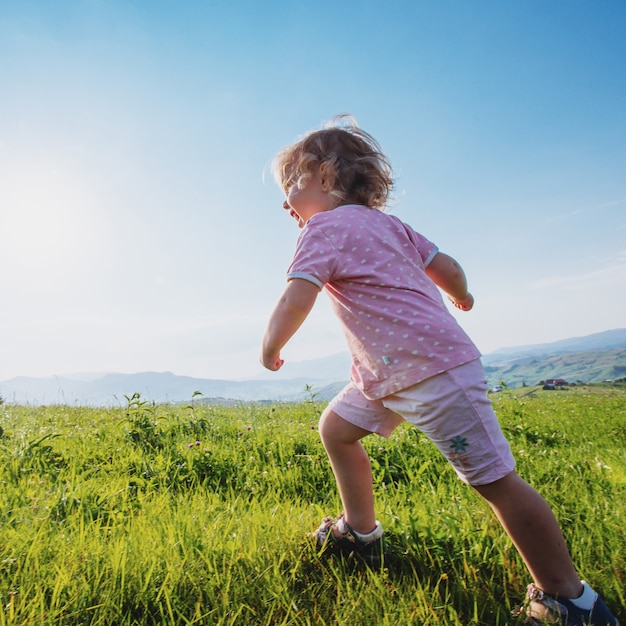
(140, 227)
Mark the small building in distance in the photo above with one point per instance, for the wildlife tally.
(557, 382)
(554, 383)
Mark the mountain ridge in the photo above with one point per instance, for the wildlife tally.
(603, 357)
(605, 340)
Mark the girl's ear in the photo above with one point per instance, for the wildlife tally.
(322, 172)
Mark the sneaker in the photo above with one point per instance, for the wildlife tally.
(335, 536)
(542, 608)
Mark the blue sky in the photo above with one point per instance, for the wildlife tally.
(140, 228)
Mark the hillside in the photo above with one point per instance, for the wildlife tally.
(606, 340)
(592, 366)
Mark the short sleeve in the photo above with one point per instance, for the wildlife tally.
(426, 248)
(315, 258)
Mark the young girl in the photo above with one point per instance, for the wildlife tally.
(410, 359)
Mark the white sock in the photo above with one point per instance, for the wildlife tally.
(586, 599)
(374, 534)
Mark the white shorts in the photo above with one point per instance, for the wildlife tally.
(452, 409)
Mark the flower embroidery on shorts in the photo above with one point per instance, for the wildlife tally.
(458, 444)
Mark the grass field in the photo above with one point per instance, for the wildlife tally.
(198, 515)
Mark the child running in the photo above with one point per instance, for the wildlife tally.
(411, 361)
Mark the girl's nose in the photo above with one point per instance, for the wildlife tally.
(285, 205)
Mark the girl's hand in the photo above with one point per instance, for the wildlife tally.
(272, 362)
(465, 304)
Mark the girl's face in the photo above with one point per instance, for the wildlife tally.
(306, 201)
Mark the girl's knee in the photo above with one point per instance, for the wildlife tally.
(333, 428)
(325, 423)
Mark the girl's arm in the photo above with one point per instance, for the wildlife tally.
(290, 311)
(449, 276)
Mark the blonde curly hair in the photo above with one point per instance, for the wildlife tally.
(351, 162)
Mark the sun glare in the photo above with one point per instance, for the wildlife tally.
(46, 219)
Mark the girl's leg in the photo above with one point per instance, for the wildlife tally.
(352, 470)
(531, 525)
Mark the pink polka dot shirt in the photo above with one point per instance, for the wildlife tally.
(372, 266)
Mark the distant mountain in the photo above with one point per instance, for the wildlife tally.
(593, 358)
(111, 389)
(587, 367)
(607, 340)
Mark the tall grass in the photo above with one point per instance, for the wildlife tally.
(198, 515)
